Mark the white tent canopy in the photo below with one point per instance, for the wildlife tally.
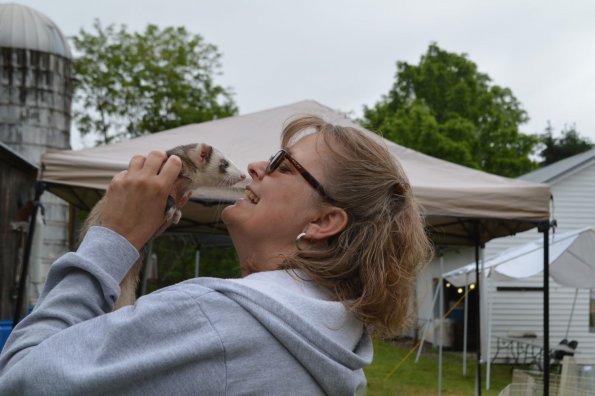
(571, 264)
(571, 261)
(454, 198)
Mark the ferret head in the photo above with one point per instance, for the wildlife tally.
(204, 165)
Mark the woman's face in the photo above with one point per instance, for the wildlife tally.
(277, 207)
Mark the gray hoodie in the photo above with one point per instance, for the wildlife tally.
(270, 333)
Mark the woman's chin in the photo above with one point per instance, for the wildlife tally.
(225, 213)
(232, 215)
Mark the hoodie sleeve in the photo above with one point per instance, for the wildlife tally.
(73, 344)
(79, 287)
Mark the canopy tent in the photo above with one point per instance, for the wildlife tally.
(571, 261)
(461, 206)
(571, 264)
(453, 198)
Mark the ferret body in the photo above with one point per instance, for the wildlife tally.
(202, 166)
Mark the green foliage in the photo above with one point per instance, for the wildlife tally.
(446, 108)
(128, 84)
(176, 260)
(555, 149)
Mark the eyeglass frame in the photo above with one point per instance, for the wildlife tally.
(276, 160)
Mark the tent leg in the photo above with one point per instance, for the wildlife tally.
(478, 289)
(39, 189)
(465, 325)
(426, 329)
(197, 261)
(545, 227)
(441, 341)
(488, 304)
(571, 313)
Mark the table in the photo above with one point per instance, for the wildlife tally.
(525, 350)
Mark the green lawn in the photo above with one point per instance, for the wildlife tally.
(421, 378)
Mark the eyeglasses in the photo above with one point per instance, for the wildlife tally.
(278, 158)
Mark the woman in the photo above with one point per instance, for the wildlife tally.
(329, 240)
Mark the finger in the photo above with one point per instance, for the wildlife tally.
(171, 169)
(119, 175)
(154, 162)
(136, 163)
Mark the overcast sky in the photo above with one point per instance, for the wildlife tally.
(343, 53)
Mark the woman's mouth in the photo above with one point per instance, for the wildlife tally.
(252, 197)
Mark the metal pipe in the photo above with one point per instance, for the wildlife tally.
(427, 327)
(465, 325)
(197, 261)
(571, 313)
(545, 227)
(478, 329)
(546, 311)
(39, 189)
(441, 304)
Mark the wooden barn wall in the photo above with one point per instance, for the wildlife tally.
(17, 184)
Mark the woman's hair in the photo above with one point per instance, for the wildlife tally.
(371, 265)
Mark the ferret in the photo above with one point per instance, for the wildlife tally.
(202, 166)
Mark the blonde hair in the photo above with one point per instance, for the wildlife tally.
(371, 266)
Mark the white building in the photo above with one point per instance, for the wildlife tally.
(572, 182)
(517, 305)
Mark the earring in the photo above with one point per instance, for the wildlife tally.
(298, 239)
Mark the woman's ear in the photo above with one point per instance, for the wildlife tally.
(332, 221)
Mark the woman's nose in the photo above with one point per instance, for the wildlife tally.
(257, 170)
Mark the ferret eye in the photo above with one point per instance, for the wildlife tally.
(223, 165)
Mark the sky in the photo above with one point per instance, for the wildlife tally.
(343, 53)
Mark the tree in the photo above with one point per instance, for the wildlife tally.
(446, 108)
(555, 149)
(129, 84)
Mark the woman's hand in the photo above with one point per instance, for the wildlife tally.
(136, 198)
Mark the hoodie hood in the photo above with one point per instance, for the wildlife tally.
(327, 339)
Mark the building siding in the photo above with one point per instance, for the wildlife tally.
(573, 208)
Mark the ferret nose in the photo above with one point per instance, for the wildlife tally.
(243, 176)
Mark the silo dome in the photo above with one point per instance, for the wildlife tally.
(26, 28)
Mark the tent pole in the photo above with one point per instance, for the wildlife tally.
(465, 325)
(441, 304)
(197, 261)
(571, 313)
(545, 227)
(39, 189)
(427, 327)
(488, 284)
(478, 328)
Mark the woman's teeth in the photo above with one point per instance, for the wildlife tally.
(252, 197)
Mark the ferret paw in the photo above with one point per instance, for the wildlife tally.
(170, 214)
(177, 216)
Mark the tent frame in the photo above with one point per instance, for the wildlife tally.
(542, 227)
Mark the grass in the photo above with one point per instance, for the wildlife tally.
(421, 378)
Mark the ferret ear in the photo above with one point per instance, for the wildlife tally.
(205, 151)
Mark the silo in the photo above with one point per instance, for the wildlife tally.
(35, 105)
